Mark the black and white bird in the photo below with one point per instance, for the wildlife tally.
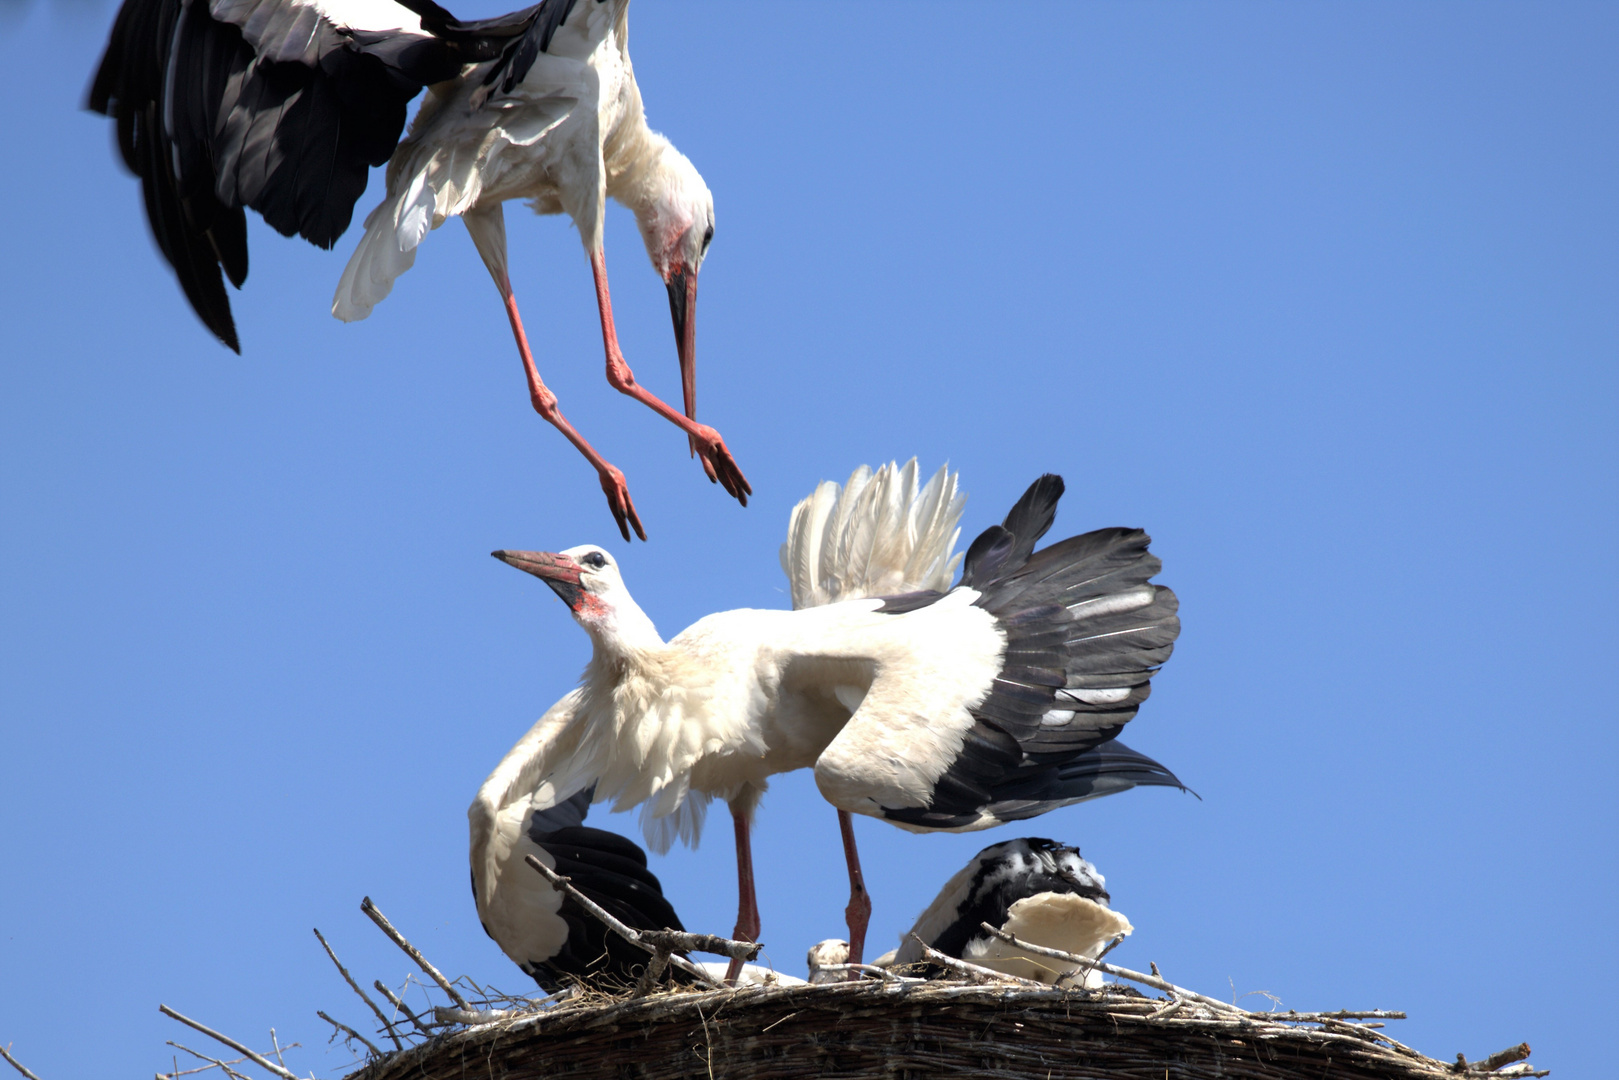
(550, 935)
(1038, 890)
(281, 107)
(929, 706)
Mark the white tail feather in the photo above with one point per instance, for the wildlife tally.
(877, 535)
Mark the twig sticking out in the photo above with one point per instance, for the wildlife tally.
(1502, 1057)
(1153, 981)
(276, 1043)
(474, 1017)
(652, 977)
(704, 943)
(386, 1025)
(447, 1015)
(972, 971)
(747, 950)
(349, 1032)
(5, 1052)
(411, 951)
(213, 1063)
(258, 1059)
(393, 999)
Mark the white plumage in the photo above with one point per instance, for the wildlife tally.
(541, 105)
(932, 708)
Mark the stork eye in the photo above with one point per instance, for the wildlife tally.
(595, 560)
(708, 237)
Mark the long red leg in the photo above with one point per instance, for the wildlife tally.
(858, 913)
(717, 460)
(545, 403)
(747, 904)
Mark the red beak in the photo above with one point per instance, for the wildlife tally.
(558, 571)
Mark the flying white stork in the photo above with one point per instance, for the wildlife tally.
(931, 707)
(280, 106)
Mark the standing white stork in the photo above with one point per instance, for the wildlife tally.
(280, 106)
(933, 708)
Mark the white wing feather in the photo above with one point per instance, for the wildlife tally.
(877, 535)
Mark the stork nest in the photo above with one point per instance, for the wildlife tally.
(917, 1030)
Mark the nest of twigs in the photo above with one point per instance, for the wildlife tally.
(976, 1022)
(925, 1029)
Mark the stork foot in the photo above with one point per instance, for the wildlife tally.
(620, 503)
(718, 463)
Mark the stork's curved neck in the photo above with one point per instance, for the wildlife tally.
(635, 166)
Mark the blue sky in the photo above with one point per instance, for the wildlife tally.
(1323, 296)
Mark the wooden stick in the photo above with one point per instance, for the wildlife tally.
(679, 940)
(213, 1062)
(411, 951)
(1503, 1057)
(187, 1072)
(446, 1015)
(972, 971)
(393, 999)
(386, 1026)
(350, 1032)
(5, 1051)
(634, 937)
(653, 975)
(258, 1059)
(276, 1045)
(1111, 969)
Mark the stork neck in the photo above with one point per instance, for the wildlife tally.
(625, 637)
(635, 167)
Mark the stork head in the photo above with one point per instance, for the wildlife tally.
(587, 579)
(676, 217)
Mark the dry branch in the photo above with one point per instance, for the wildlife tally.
(350, 1033)
(1154, 981)
(213, 1063)
(634, 937)
(1503, 1057)
(386, 1024)
(411, 951)
(5, 1052)
(258, 1059)
(972, 971)
(394, 1000)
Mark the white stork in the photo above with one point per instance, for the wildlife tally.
(931, 707)
(280, 106)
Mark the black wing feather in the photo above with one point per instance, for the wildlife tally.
(611, 870)
(284, 117)
(1085, 632)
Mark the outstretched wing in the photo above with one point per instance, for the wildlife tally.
(1005, 725)
(279, 106)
